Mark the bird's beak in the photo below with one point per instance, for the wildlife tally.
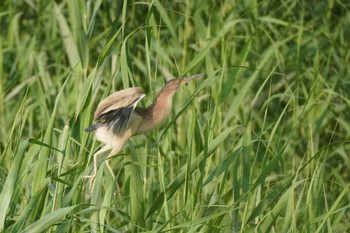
(187, 79)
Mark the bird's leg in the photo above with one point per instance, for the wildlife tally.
(108, 164)
(102, 150)
(116, 149)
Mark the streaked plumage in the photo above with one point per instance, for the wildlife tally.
(118, 118)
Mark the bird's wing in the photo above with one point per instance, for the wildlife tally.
(115, 111)
(119, 99)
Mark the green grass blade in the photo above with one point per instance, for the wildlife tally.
(280, 205)
(48, 221)
(137, 200)
(76, 12)
(10, 184)
(334, 208)
(66, 34)
(180, 178)
(261, 143)
(106, 204)
(42, 166)
(85, 92)
(28, 210)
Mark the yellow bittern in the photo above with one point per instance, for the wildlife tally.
(117, 117)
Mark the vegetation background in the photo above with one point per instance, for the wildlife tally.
(260, 145)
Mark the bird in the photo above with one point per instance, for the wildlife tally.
(118, 118)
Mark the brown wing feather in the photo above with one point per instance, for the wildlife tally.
(119, 99)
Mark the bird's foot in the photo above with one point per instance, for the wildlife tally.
(91, 179)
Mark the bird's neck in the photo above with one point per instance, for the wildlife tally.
(162, 106)
(155, 115)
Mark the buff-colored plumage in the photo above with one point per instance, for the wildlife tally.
(118, 117)
(120, 99)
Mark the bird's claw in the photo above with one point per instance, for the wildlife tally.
(91, 178)
(88, 177)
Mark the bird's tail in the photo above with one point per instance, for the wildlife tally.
(92, 128)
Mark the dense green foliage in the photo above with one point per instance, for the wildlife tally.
(260, 145)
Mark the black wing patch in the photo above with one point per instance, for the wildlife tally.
(117, 119)
(92, 128)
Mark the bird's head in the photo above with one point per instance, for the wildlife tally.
(175, 83)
